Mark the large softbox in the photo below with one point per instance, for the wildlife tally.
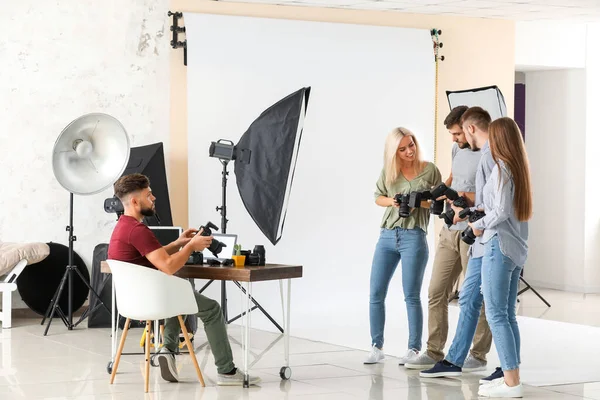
(489, 98)
(265, 182)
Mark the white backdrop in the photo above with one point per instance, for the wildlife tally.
(365, 81)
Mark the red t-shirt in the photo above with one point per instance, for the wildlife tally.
(131, 241)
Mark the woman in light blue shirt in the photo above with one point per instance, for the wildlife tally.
(507, 202)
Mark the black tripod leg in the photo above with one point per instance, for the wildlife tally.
(92, 290)
(455, 296)
(205, 286)
(55, 305)
(62, 316)
(52, 302)
(259, 307)
(240, 315)
(85, 314)
(534, 291)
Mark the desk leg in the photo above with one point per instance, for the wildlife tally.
(287, 324)
(246, 340)
(285, 372)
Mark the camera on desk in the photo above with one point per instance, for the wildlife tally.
(196, 258)
(256, 257)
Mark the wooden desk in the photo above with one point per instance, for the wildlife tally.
(249, 275)
(270, 272)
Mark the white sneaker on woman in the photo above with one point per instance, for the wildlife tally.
(501, 389)
(411, 355)
(374, 356)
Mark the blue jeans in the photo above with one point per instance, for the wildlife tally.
(500, 284)
(470, 301)
(410, 246)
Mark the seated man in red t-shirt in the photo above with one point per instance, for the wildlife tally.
(134, 242)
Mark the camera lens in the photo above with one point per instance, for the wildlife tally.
(468, 236)
(403, 200)
(216, 247)
(437, 207)
(448, 217)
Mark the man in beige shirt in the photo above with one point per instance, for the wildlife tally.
(451, 259)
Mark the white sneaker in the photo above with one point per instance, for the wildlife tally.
(374, 356)
(473, 364)
(496, 381)
(236, 379)
(422, 361)
(501, 389)
(409, 357)
(168, 367)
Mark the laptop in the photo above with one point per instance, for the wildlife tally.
(166, 234)
(227, 252)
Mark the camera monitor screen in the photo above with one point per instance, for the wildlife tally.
(227, 252)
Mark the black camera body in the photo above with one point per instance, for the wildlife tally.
(417, 197)
(443, 190)
(437, 206)
(467, 235)
(411, 200)
(196, 258)
(448, 216)
(215, 246)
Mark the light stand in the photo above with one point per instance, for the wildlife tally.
(68, 275)
(261, 166)
(88, 157)
(223, 210)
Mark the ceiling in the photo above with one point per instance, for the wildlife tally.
(521, 10)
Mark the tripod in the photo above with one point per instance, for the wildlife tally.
(223, 210)
(528, 287)
(68, 275)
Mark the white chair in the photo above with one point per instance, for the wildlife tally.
(146, 294)
(6, 288)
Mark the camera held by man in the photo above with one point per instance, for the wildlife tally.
(215, 246)
(468, 236)
(458, 201)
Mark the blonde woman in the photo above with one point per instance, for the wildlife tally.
(401, 239)
(507, 202)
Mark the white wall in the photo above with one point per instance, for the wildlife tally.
(549, 45)
(61, 60)
(556, 139)
(592, 163)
